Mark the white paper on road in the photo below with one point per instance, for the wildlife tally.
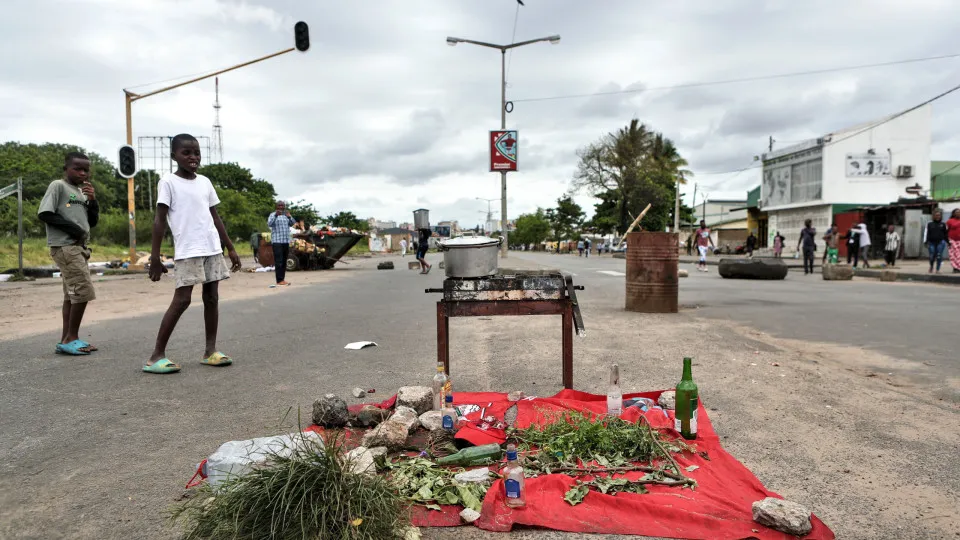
(357, 345)
(611, 273)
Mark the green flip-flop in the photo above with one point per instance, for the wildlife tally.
(161, 367)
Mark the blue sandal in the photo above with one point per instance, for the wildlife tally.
(74, 348)
(161, 367)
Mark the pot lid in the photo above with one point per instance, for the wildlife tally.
(470, 241)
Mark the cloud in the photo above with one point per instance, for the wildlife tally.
(381, 117)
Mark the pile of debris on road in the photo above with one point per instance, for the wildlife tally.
(590, 472)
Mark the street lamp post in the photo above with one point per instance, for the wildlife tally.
(453, 41)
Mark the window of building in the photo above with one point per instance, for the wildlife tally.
(806, 181)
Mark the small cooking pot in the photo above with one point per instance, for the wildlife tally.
(470, 257)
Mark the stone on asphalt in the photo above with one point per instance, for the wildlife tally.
(683, 273)
(668, 400)
(413, 265)
(371, 416)
(431, 420)
(418, 398)
(473, 476)
(387, 265)
(889, 275)
(469, 515)
(407, 417)
(359, 393)
(330, 411)
(784, 516)
(391, 435)
(837, 272)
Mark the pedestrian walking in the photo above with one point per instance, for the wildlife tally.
(891, 247)
(403, 247)
(808, 243)
(751, 244)
(280, 222)
(853, 245)
(188, 203)
(704, 241)
(830, 241)
(935, 236)
(423, 244)
(864, 236)
(587, 244)
(953, 235)
(69, 209)
(778, 245)
(580, 248)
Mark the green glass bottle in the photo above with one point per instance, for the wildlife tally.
(687, 401)
(474, 455)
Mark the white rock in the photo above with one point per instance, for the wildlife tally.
(784, 516)
(359, 393)
(668, 400)
(431, 420)
(469, 515)
(378, 451)
(390, 434)
(407, 417)
(360, 461)
(412, 533)
(418, 398)
(473, 476)
(682, 273)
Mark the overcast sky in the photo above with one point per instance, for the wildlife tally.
(381, 117)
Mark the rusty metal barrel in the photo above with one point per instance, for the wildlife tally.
(652, 280)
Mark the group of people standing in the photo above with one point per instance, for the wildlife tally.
(943, 236)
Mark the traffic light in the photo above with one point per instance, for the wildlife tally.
(301, 36)
(128, 162)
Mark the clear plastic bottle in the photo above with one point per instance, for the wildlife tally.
(441, 387)
(513, 480)
(614, 395)
(448, 414)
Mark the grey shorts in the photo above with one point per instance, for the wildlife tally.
(200, 270)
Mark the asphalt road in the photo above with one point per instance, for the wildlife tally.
(915, 323)
(93, 448)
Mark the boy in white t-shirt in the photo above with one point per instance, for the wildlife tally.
(187, 201)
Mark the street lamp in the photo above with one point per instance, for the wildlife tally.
(453, 41)
(301, 40)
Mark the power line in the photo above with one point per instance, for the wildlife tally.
(743, 79)
(513, 38)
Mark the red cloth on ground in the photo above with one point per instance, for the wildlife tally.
(719, 508)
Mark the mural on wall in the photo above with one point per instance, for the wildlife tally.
(776, 186)
(867, 165)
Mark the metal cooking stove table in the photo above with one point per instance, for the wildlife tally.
(511, 292)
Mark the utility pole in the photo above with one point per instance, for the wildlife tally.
(693, 202)
(772, 140)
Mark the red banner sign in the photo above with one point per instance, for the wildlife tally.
(503, 151)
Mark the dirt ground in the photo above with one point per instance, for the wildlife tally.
(28, 306)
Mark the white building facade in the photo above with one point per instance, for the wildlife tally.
(866, 165)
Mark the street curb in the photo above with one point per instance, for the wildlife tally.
(943, 279)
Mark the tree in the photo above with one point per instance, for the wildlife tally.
(348, 220)
(566, 218)
(39, 164)
(531, 228)
(629, 169)
(232, 176)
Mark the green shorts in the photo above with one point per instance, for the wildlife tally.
(74, 273)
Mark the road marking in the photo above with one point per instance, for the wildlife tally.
(611, 273)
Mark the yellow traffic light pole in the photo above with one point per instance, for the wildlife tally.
(129, 98)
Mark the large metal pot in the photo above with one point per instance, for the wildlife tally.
(470, 257)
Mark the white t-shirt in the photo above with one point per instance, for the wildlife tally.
(194, 234)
